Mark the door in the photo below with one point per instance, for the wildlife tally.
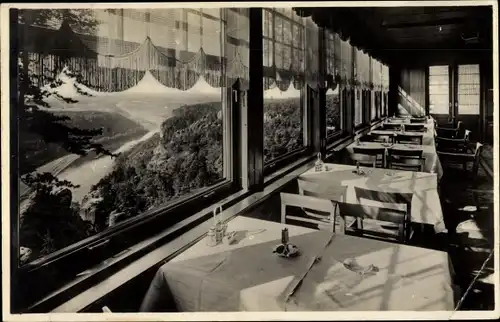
(440, 98)
(467, 99)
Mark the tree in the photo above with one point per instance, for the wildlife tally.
(34, 116)
(51, 221)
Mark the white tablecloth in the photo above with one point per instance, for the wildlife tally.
(249, 277)
(425, 203)
(432, 163)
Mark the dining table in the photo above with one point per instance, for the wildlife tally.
(422, 187)
(428, 136)
(432, 163)
(332, 272)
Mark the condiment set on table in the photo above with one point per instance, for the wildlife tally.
(319, 165)
(217, 232)
(286, 249)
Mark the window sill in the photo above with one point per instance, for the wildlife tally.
(157, 250)
(368, 127)
(338, 145)
(282, 164)
(335, 138)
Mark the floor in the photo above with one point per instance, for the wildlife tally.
(468, 251)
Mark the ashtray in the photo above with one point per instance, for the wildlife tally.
(286, 250)
(352, 265)
(360, 172)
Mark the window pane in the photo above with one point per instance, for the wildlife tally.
(278, 29)
(297, 36)
(266, 23)
(278, 55)
(439, 90)
(193, 34)
(358, 107)
(159, 137)
(265, 52)
(373, 112)
(287, 57)
(468, 89)
(333, 124)
(287, 32)
(283, 127)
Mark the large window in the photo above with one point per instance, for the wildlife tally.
(468, 89)
(374, 106)
(361, 102)
(333, 108)
(91, 159)
(283, 55)
(333, 112)
(439, 90)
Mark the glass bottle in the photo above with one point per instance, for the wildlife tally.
(318, 166)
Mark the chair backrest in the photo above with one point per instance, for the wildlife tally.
(313, 189)
(375, 138)
(368, 138)
(410, 160)
(308, 202)
(477, 158)
(409, 139)
(416, 153)
(369, 151)
(451, 145)
(398, 217)
(394, 198)
(467, 135)
(369, 156)
(391, 126)
(415, 128)
(418, 120)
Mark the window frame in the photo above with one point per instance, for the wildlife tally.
(109, 243)
(294, 155)
(329, 59)
(342, 132)
(365, 107)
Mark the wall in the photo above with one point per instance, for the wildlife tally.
(412, 96)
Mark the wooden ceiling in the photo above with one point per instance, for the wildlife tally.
(430, 28)
(389, 32)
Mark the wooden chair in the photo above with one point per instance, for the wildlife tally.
(313, 189)
(323, 222)
(450, 133)
(395, 200)
(376, 138)
(415, 128)
(418, 120)
(391, 126)
(463, 158)
(371, 157)
(397, 217)
(408, 160)
(451, 145)
(409, 139)
(332, 192)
